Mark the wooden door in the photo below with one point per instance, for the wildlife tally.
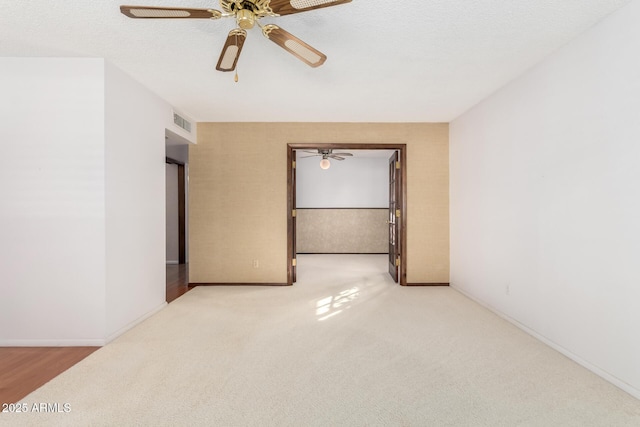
(394, 216)
(182, 217)
(291, 217)
(294, 222)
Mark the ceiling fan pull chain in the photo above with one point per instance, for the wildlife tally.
(236, 76)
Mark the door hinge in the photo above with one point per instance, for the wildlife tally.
(293, 164)
(397, 213)
(397, 165)
(294, 262)
(293, 213)
(398, 262)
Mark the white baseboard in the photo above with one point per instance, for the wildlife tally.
(172, 262)
(136, 322)
(80, 342)
(580, 361)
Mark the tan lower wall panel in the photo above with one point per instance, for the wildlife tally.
(346, 231)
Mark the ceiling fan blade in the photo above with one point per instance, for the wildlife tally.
(288, 7)
(344, 154)
(333, 156)
(169, 12)
(313, 155)
(231, 50)
(294, 45)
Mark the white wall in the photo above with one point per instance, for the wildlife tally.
(52, 214)
(545, 200)
(82, 212)
(135, 192)
(358, 182)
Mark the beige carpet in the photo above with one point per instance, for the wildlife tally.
(343, 347)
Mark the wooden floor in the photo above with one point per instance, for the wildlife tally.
(177, 281)
(24, 369)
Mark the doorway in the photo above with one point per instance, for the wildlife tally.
(397, 205)
(179, 222)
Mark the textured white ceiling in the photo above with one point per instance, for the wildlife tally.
(388, 61)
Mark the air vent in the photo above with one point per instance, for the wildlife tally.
(182, 122)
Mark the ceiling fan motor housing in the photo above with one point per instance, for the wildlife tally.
(245, 18)
(259, 8)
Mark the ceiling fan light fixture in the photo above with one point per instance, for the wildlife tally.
(325, 164)
(245, 18)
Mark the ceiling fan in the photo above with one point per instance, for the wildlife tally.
(247, 14)
(327, 154)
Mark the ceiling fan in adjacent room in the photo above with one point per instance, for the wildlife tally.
(327, 154)
(247, 14)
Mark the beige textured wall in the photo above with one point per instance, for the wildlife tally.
(238, 196)
(346, 231)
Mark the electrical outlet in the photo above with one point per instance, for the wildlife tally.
(256, 263)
